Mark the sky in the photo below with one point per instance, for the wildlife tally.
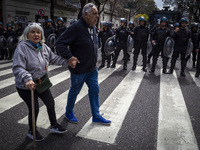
(159, 3)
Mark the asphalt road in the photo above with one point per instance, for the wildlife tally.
(148, 111)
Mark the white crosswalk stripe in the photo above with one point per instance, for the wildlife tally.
(174, 125)
(175, 129)
(196, 80)
(6, 65)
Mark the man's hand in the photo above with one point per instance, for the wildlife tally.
(30, 85)
(73, 61)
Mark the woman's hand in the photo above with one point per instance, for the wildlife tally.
(30, 85)
(73, 61)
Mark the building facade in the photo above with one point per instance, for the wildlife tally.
(24, 11)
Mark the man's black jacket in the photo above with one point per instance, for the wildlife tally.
(76, 41)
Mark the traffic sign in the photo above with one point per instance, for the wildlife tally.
(41, 12)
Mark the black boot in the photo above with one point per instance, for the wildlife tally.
(183, 64)
(144, 63)
(165, 60)
(173, 62)
(194, 66)
(135, 57)
(152, 70)
(197, 74)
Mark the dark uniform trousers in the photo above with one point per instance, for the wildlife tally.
(104, 57)
(179, 50)
(140, 45)
(157, 50)
(117, 51)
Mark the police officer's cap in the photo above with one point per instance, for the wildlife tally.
(183, 20)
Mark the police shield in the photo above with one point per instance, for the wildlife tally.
(10, 43)
(2, 41)
(149, 47)
(168, 47)
(51, 40)
(189, 48)
(109, 46)
(129, 44)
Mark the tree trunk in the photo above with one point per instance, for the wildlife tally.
(52, 11)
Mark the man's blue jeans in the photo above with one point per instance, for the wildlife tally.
(77, 81)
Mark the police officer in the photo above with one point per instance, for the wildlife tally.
(158, 39)
(140, 37)
(196, 45)
(194, 36)
(60, 27)
(48, 28)
(121, 43)
(2, 33)
(104, 34)
(9, 33)
(181, 37)
(151, 32)
(18, 32)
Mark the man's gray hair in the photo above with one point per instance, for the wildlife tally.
(87, 8)
(29, 28)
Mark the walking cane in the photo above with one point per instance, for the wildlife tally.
(33, 118)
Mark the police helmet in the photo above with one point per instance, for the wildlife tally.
(195, 25)
(130, 22)
(163, 19)
(171, 25)
(50, 20)
(183, 20)
(142, 19)
(9, 25)
(61, 19)
(1, 23)
(71, 21)
(176, 24)
(123, 20)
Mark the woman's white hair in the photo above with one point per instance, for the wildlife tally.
(87, 8)
(31, 26)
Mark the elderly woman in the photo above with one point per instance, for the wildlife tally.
(30, 63)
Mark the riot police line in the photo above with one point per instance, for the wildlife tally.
(166, 40)
(9, 36)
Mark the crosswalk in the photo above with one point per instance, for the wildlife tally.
(174, 132)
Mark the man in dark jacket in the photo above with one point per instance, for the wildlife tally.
(82, 58)
(104, 34)
(60, 27)
(140, 36)
(181, 38)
